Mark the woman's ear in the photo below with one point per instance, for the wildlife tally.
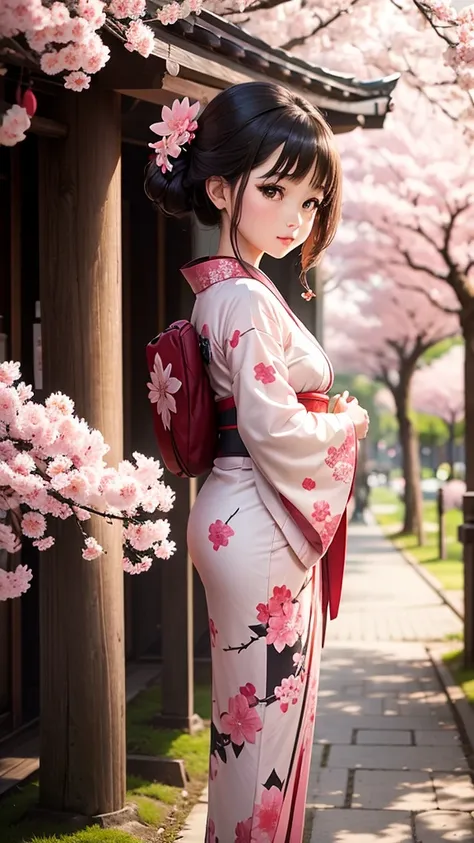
(218, 191)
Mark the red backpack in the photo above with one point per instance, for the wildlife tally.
(184, 410)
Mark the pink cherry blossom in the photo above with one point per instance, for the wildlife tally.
(9, 372)
(343, 472)
(263, 613)
(281, 595)
(14, 583)
(321, 511)
(285, 629)
(165, 550)
(77, 81)
(328, 530)
(265, 374)
(268, 812)
(241, 722)
(250, 692)
(288, 692)
(166, 148)
(127, 8)
(22, 464)
(243, 831)
(308, 484)
(140, 38)
(8, 540)
(93, 549)
(170, 13)
(140, 567)
(177, 120)
(33, 525)
(14, 124)
(162, 388)
(219, 534)
(44, 544)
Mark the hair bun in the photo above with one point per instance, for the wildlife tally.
(170, 191)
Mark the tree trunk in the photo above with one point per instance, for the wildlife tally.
(451, 445)
(81, 603)
(468, 332)
(413, 518)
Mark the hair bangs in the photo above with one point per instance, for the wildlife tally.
(305, 148)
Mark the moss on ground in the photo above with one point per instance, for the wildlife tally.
(157, 805)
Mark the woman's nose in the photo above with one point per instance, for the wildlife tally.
(294, 221)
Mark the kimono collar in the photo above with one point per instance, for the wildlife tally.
(204, 272)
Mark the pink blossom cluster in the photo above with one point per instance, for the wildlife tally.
(64, 36)
(177, 127)
(460, 55)
(283, 618)
(52, 465)
(14, 125)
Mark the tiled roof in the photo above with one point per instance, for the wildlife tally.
(349, 98)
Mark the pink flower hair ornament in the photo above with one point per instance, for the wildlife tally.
(177, 127)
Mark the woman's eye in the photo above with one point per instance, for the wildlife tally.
(270, 191)
(312, 204)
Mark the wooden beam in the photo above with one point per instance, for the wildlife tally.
(81, 603)
(15, 351)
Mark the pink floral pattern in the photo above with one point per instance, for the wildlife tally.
(211, 831)
(249, 691)
(321, 511)
(267, 813)
(308, 484)
(213, 632)
(162, 388)
(235, 339)
(265, 374)
(219, 534)
(213, 767)
(343, 472)
(342, 459)
(243, 831)
(285, 629)
(289, 691)
(241, 722)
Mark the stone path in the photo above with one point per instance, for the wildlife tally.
(388, 764)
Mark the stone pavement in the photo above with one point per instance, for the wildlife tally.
(388, 764)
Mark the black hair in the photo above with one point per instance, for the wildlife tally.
(237, 132)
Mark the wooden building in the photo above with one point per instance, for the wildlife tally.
(88, 273)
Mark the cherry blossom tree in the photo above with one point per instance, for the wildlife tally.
(379, 329)
(438, 389)
(413, 202)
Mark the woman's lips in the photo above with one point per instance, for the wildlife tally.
(287, 240)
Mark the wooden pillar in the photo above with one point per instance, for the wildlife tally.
(175, 301)
(81, 603)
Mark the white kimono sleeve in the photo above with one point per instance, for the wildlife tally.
(308, 458)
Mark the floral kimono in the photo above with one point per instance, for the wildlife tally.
(260, 535)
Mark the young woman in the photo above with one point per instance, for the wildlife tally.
(267, 533)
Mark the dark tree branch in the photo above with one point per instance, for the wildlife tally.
(298, 42)
(437, 28)
(444, 308)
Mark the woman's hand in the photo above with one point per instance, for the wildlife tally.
(346, 403)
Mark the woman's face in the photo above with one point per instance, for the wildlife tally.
(277, 215)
